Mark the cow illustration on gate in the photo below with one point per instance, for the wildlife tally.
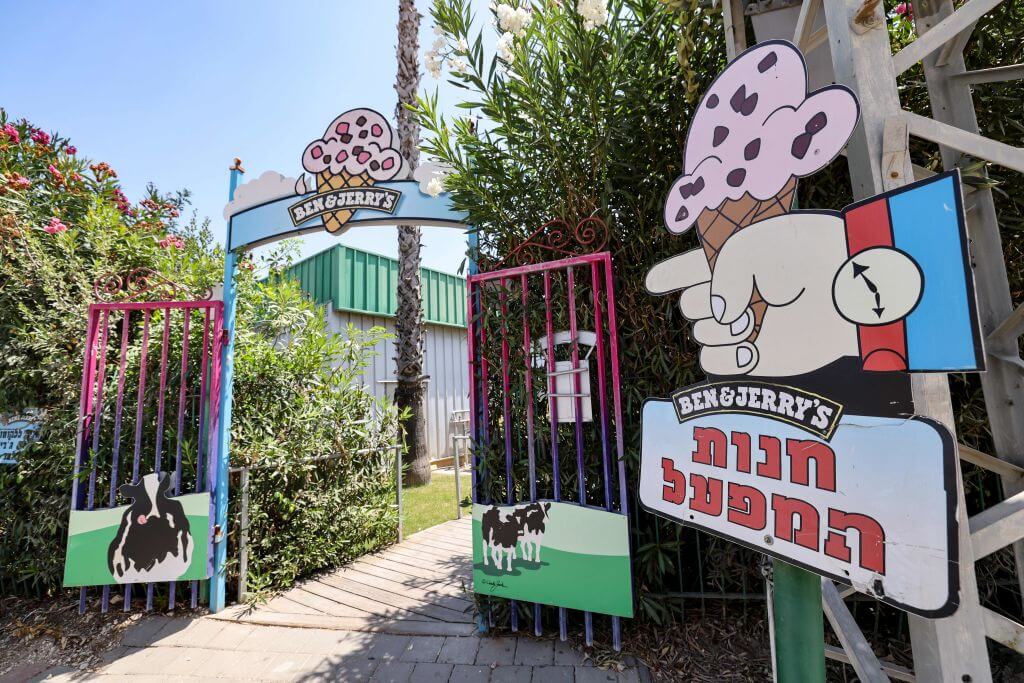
(524, 525)
(154, 541)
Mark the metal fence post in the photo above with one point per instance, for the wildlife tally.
(243, 537)
(458, 484)
(398, 479)
(220, 498)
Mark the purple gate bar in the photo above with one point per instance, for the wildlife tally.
(600, 270)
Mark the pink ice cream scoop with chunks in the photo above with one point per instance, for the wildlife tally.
(357, 142)
(755, 129)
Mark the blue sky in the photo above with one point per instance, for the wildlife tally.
(170, 92)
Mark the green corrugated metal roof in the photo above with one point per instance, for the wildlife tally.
(358, 281)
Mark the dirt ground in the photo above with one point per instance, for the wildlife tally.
(38, 634)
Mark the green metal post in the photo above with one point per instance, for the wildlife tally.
(799, 625)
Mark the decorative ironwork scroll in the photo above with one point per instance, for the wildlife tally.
(139, 282)
(557, 239)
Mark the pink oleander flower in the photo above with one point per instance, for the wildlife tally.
(19, 182)
(55, 227)
(40, 137)
(905, 9)
(172, 242)
(247, 265)
(71, 150)
(57, 175)
(11, 133)
(76, 177)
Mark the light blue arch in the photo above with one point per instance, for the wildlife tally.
(269, 222)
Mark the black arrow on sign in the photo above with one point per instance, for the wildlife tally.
(858, 271)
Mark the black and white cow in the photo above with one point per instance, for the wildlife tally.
(501, 536)
(532, 519)
(154, 542)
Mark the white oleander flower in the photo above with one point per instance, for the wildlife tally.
(435, 186)
(594, 13)
(438, 31)
(458, 66)
(438, 44)
(432, 61)
(504, 46)
(462, 45)
(514, 19)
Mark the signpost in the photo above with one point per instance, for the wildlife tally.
(803, 443)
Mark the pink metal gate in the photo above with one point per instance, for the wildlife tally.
(529, 324)
(148, 365)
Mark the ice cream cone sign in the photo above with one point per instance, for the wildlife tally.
(353, 154)
(780, 292)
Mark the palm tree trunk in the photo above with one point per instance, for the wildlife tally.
(409, 316)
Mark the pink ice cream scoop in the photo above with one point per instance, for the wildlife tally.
(755, 130)
(357, 143)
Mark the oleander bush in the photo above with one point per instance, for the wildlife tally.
(65, 223)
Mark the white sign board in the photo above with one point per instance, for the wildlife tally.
(15, 432)
(835, 506)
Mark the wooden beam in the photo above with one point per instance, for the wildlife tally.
(861, 657)
(989, 462)
(964, 141)
(998, 526)
(1003, 630)
(997, 74)
(941, 33)
(805, 23)
(891, 669)
(1008, 330)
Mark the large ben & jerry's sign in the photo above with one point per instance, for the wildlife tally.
(802, 443)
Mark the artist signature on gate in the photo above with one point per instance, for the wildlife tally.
(493, 584)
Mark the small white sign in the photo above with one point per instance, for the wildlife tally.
(15, 432)
(874, 506)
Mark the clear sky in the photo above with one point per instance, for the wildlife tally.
(170, 92)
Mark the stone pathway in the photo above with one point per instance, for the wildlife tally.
(396, 616)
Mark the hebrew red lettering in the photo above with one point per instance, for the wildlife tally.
(800, 455)
(707, 494)
(871, 539)
(711, 446)
(786, 509)
(772, 465)
(674, 490)
(741, 440)
(747, 507)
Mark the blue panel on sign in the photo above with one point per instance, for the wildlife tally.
(927, 225)
(272, 220)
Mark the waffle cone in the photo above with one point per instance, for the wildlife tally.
(715, 226)
(326, 181)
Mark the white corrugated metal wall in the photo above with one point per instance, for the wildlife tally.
(445, 356)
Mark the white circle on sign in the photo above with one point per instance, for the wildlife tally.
(877, 286)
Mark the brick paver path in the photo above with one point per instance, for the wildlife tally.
(400, 615)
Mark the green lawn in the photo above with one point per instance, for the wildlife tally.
(427, 506)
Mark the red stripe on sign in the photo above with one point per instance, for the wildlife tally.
(868, 226)
(883, 348)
